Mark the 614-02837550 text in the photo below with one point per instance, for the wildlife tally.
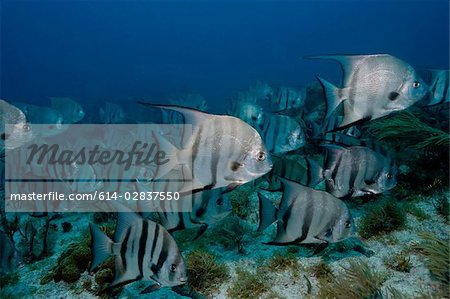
(102, 196)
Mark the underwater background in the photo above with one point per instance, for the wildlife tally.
(92, 62)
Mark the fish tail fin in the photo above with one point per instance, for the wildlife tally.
(101, 246)
(333, 96)
(315, 175)
(267, 212)
(171, 154)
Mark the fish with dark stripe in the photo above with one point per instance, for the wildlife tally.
(357, 170)
(143, 250)
(305, 216)
(223, 151)
(373, 86)
(281, 133)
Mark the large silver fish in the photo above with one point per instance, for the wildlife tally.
(439, 85)
(19, 133)
(357, 170)
(142, 249)
(223, 151)
(281, 133)
(71, 111)
(373, 86)
(306, 216)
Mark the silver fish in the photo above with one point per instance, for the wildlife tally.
(306, 216)
(286, 98)
(71, 111)
(281, 133)
(45, 116)
(19, 133)
(223, 150)
(439, 85)
(357, 170)
(248, 112)
(143, 250)
(373, 86)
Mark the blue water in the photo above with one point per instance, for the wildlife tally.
(97, 50)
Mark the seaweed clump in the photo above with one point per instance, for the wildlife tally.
(399, 262)
(205, 274)
(408, 130)
(437, 261)
(71, 263)
(231, 234)
(357, 281)
(249, 285)
(381, 218)
(280, 262)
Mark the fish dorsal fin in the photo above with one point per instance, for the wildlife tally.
(124, 221)
(191, 116)
(348, 62)
(290, 191)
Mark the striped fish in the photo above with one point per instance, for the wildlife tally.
(208, 207)
(248, 112)
(142, 249)
(281, 133)
(223, 151)
(305, 216)
(71, 111)
(439, 84)
(373, 86)
(302, 170)
(287, 98)
(357, 170)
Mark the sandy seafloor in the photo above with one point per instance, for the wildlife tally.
(417, 281)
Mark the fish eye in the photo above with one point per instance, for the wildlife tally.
(261, 156)
(173, 268)
(26, 127)
(254, 117)
(219, 201)
(416, 84)
(389, 176)
(347, 224)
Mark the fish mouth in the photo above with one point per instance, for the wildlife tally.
(183, 279)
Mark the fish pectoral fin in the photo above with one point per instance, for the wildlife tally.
(151, 288)
(201, 231)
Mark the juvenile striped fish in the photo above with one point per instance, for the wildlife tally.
(356, 171)
(223, 151)
(306, 216)
(142, 250)
(71, 111)
(373, 86)
(281, 133)
(286, 98)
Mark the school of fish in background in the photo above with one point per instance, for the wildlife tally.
(308, 143)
